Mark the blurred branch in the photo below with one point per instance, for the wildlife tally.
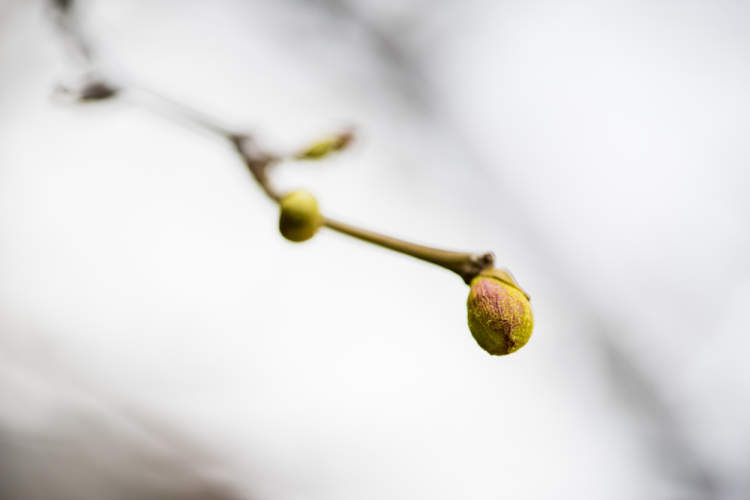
(259, 161)
(65, 18)
(668, 444)
(387, 43)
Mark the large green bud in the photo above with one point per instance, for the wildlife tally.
(300, 217)
(500, 317)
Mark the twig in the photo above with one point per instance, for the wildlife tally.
(466, 265)
(257, 159)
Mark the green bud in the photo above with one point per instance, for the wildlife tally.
(300, 217)
(500, 317)
(325, 146)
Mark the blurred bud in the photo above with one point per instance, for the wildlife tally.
(96, 90)
(326, 146)
(300, 217)
(500, 317)
(89, 89)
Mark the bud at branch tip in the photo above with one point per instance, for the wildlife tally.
(499, 312)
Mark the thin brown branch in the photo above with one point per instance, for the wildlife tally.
(258, 160)
(466, 265)
(179, 112)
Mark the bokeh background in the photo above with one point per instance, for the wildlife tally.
(159, 340)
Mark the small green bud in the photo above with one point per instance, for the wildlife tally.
(500, 317)
(300, 217)
(325, 146)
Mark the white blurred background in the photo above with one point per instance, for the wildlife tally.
(160, 340)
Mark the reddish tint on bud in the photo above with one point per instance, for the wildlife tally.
(500, 317)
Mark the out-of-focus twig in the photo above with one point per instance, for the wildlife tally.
(65, 18)
(671, 450)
